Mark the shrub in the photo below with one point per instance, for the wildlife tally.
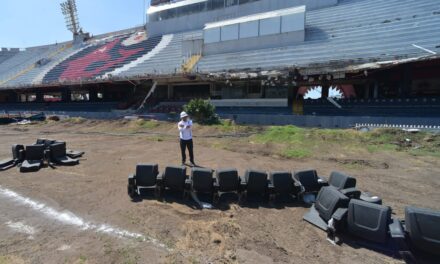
(202, 111)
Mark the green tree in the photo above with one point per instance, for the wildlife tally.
(202, 111)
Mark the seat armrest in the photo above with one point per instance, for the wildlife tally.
(243, 183)
(322, 181)
(340, 214)
(352, 192)
(47, 154)
(396, 229)
(132, 179)
(270, 186)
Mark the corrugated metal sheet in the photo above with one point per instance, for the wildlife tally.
(351, 33)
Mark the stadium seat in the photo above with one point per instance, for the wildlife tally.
(309, 180)
(282, 183)
(17, 156)
(347, 185)
(423, 227)
(174, 178)
(34, 157)
(227, 181)
(330, 204)
(202, 180)
(255, 183)
(59, 156)
(368, 221)
(146, 177)
(44, 141)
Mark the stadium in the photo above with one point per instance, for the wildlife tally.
(255, 60)
(300, 88)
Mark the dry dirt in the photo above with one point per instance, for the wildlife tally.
(95, 190)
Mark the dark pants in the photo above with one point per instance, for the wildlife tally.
(184, 144)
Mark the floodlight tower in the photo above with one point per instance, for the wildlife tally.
(70, 13)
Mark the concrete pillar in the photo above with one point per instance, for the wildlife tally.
(376, 90)
(325, 91)
(170, 91)
(40, 96)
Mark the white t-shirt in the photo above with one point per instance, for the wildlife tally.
(185, 131)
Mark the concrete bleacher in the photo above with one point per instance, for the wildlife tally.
(5, 53)
(167, 60)
(353, 32)
(405, 107)
(12, 67)
(99, 59)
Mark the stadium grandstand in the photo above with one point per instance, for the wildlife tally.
(258, 61)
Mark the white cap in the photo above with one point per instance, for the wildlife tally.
(183, 114)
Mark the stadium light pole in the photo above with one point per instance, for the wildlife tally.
(70, 13)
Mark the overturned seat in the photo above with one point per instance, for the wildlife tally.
(255, 182)
(17, 156)
(309, 180)
(423, 227)
(58, 154)
(282, 183)
(146, 176)
(34, 156)
(173, 178)
(330, 204)
(227, 181)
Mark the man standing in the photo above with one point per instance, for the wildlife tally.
(185, 131)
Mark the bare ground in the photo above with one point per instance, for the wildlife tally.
(256, 233)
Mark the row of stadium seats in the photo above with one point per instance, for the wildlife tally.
(64, 107)
(339, 206)
(348, 33)
(414, 107)
(254, 110)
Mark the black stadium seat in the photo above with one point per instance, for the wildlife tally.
(173, 178)
(282, 183)
(227, 181)
(341, 181)
(327, 205)
(146, 177)
(255, 182)
(423, 227)
(202, 180)
(309, 180)
(17, 157)
(368, 221)
(59, 156)
(34, 157)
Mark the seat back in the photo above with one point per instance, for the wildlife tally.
(44, 141)
(174, 177)
(329, 199)
(146, 174)
(282, 182)
(256, 181)
(423, 226)
(368, 221)
(228, 180)
(57, 150)
(35, 152)
(202, 180)
(308, 179)
(341, 180)
(17, 152)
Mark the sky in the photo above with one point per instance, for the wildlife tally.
(27, 23)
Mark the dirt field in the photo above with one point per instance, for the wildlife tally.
(174, 231)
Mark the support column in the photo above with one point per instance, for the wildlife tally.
(376, 90)
(66, 95)
(93, 95)
(40, 96)
(367, 91)
(170, 91)
(325, 91)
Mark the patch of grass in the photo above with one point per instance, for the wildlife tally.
(296, 153)
(282, 134)
(82, 259)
